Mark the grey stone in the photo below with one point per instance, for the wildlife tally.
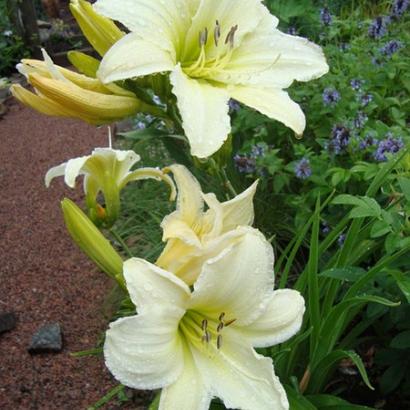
(8, 321)
(47, 339)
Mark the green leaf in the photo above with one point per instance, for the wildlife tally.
(297, 401)
(379, 229)
(401, 341)
(329, 402)
(349, 273)
(364, 206)
(403, 282)
(405, 187)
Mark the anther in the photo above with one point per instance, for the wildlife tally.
(204, 324)
(229, 322)
(203, 37)
(220, 327)
(217, 33)
(221, 316)
(231, 36)
(219, 341)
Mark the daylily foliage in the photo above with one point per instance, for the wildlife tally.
(108, 171)
(214, 50)
(199, 344)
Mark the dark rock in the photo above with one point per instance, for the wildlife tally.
(8, 322)
(47, 339)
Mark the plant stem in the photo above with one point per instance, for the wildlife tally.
(122, 243)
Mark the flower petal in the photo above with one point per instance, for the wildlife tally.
(239, 210)
(274, 103)
(238, 281)
(165, 23)
(281, 320)
(150, 286)
(145, 351)
(240, 377)
(204, 110)
(133, 57)
(54, 172)
(188, 392)
(74, 168)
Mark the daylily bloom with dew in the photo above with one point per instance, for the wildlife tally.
(199, 344)
(64, 93)
(214, 50)
(193, 234)
(107, 171)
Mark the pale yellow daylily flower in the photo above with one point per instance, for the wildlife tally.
(199, 344)
(64, 93)
(214, 50)
(107, 171)
(193, 234)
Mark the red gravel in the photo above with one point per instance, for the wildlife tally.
(43, 276)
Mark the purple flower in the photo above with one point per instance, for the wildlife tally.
(389, 145)
(356, 84)
(391, 47)
(399, 7)
(234, 106)
(139, 125)
(341, 240)
(245, 164)
(303, 169)
(325, 16)
(378, 27)
(292, 31)
(366, 142)
(366, 99)
(258, 150)
(325, 228)
(340, 139)
(360, 121)
(331, 96)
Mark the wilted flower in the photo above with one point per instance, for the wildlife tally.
(399, 7)
(214, 50)
(391, 47)
(378, 27)
(303, 169)
(331, 96)
(107, 171)
(197, 343)
(325, 16)
(389, 145)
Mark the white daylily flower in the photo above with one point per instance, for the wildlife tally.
(214, 50)
(198, 345)
(106, 170)
(194, 235)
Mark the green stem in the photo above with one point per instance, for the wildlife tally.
(227, 183)
(122, 243)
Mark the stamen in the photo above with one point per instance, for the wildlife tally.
(204, 324)
(221, 316)
(219, 342)
(203, 37)
(217, 33)
(206, 337)
(229, 322)
(220, 327)
(231, 36)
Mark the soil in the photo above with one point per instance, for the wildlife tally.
(44, 278)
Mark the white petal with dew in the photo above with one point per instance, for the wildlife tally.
(188, 392)
(150, 286)
(133, 57)
(145, 351)
(238, 281)
(204, 110)
(274, 103)
(240, 377)
(280, 321)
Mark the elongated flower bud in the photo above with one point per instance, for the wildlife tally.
(101, 32)
(92, 242)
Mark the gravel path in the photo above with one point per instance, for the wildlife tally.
(43, 276)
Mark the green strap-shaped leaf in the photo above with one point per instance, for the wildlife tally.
(297, 401)
(329, 402)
